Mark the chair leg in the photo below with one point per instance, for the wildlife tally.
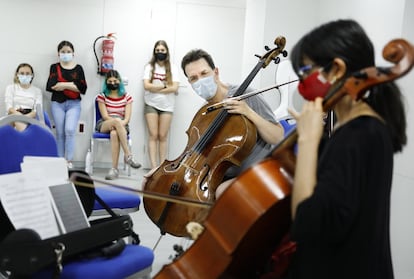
(92, 155)
(130, 148)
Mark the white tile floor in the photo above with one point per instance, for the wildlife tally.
(144, 227)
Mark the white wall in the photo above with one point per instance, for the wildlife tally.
(31, 31)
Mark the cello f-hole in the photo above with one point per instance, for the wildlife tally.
(204, 180)
(174, 191)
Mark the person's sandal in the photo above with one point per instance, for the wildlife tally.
(131, 162)
(112, 174)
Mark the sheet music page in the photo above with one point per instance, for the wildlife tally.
(69, 206)
(53, 173)
(27, 204)
(52, 170)
(47, 171)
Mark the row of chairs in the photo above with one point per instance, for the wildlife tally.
(133, 260)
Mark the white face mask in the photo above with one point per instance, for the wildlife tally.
(205, 88)
(24, 79)
(66, 57)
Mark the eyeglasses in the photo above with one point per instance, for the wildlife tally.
(305, 70)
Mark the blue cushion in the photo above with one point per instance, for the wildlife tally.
(97, 135)
(133, 259)
(116, 199)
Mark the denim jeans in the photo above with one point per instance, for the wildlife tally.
(66, 116)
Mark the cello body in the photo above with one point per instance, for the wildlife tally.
(197, 172)
(244, 226)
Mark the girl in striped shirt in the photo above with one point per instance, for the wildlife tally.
(115, 108)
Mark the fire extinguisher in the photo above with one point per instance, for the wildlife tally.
(107, 59)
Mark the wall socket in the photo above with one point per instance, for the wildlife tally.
(81, 128)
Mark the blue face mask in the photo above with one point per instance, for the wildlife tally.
(66, 57)
(24, 79)
(205, 88)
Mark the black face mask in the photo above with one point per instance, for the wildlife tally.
(112, 86)
(161, 56)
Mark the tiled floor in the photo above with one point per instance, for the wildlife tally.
(144, 227)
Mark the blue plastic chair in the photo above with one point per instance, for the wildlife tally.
(119, 202)
(133, 260)
(288, 124)
(42, 116)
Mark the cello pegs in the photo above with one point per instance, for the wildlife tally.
(276, 60)
(267, 48)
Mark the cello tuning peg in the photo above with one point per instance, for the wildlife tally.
(257, 55)
(266, 48)
(276, 60)
(284, 53)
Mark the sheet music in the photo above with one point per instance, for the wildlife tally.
(51, 170)
(69, 207)
(41, 198)
(27, 204)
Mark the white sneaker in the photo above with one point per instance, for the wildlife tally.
(131, 162)
(112, 174)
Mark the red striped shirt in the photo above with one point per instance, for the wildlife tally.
(115, 106)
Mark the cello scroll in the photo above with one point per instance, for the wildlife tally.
(398, 51)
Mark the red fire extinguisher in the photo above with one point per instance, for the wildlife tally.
(107, 59)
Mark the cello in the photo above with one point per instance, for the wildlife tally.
(217, 140)
(237, 243)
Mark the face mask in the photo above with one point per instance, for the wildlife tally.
(24, 79)
(161, 56)
(315, 85)
(112, 86)
(205, 88)
(66, 57)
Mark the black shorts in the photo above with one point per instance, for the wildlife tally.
(150, 109)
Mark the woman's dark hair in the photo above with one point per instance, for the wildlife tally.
(194, 55)
(347, 40)
(115, 74)
(167, 64)
(65, 43)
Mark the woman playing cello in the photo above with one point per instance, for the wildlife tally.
(342, 185)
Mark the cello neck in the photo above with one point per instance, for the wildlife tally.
(249, 79)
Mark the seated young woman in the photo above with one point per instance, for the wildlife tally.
(115, 106)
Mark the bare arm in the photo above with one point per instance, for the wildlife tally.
(103, 111)
(270, 132)
(128, 111)
(60, 86)
(160, 88)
